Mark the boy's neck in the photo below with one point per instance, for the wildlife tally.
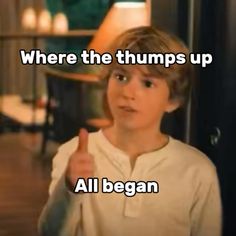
(137, 142)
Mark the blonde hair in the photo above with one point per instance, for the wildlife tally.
(147, 39)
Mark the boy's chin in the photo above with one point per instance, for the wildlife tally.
(130, 126)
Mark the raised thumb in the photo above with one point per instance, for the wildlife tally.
(83, 141)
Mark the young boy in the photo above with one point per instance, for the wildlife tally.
(133, 148)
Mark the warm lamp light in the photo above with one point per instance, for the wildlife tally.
(44, 21)
(60, 23)
(122, 16)
(29, 19)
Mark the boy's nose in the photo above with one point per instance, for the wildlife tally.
(130, 90)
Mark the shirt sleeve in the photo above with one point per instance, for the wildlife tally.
(206, 211)
(59, 165)
(62, 213)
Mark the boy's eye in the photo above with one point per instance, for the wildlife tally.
(148, 83)
(120, 77)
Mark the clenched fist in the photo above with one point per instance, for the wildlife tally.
(81, 163)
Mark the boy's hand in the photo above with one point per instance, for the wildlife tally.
(81, 163)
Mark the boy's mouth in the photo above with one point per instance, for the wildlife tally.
(127, 109)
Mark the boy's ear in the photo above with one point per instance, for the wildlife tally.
(172, 105)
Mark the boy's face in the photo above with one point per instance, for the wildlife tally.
(137, 100)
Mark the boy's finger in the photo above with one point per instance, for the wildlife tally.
(83, 141)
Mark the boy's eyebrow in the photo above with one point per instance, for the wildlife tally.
(120, 68)
(144, 74)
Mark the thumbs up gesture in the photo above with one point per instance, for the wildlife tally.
(81, 163)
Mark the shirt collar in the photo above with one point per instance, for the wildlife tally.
(120, 158)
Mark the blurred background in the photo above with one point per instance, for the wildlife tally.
(42, 106)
